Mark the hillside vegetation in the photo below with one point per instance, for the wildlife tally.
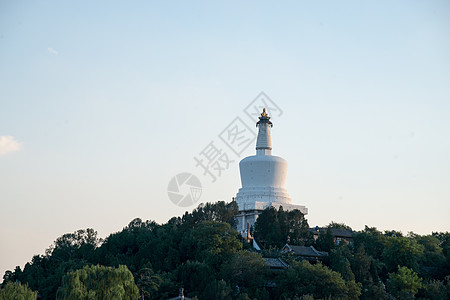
(202, 253)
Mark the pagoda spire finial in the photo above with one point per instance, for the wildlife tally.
(264, 141)
(264, 113)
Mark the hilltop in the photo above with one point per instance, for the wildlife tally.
(202, 253)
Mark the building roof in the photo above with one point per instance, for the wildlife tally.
(304, 251)
(345, 233)
(275, 263)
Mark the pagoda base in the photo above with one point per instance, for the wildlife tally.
(249, 212)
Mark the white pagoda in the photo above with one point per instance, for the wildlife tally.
(263, 178)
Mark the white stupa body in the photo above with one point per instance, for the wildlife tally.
(263, 178)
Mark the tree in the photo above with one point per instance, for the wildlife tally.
(297, 229)
(16, 291)
(194, 276)
(402, 251)
(275, 228)
(246, 270)
(432, 262)
(360, 263)
(168, 288)
(131, 246)
(435, 290)
(372, 240)
(9, 276)
(335, 225)
(340, 263)
(373, 291)
(71, 251)
(148, 282)
(219, 211)
(393, 233)
(217, 289)
(325, 242)
(202, 253)
(404, 284)
(98, 282)
(315, 280)
(366, 270)
(80, 243)
(268, 230)
(215, 242)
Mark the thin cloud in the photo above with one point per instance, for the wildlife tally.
(52, 51)
(8, 144)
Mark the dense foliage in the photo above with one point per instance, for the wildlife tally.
(274, 228)
(17, 291)
(202, 253)
(100, 283)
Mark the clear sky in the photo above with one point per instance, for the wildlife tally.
(103, 102)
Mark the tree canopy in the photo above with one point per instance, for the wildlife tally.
(100, 283)
(17, 291)
(202, 253)
(274, 228)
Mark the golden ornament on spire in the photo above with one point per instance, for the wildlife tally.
(264, 114)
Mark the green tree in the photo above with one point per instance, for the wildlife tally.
(435, 290)
(215, 242)
(71, 251)
(99, 282)
(404, 284)
(133, 246)
(372, 240)
(297, 229)
(168, 288)
(338, 226)
(244, 296)
(432, 262)
(246, 270)
(325, 242)
(393, 233)
(339, 262)
(316, 280)
(402, 251)
(217, 289)
(267, 229)
(194, 276)
(219, 211)
(360, 263)
(79, 244)
(274, 228)
(17, 291)
(366, 270)
(148, 282)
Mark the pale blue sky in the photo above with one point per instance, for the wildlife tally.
(109, 100)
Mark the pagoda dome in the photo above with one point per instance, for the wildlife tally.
(263, 171)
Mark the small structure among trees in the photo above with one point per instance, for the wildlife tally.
(304, 253)
(180, 295)
(275, 264)
(340, 235)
